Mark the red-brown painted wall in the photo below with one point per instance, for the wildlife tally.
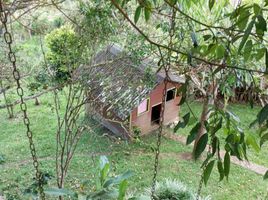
(143, 121)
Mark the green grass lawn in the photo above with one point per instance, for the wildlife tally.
(246, 115)
(16, 173)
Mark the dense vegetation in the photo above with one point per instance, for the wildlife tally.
(219, 47)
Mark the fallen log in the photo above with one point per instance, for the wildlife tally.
(28, 97)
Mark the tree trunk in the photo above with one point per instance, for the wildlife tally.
(210, 99)
(37, 102)
(203, 118)
(9, 108)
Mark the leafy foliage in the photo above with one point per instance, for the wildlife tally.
(64, 54)
(182, 124)
(235, 145)
(32, 190)
(98, 22)
(172, 190)
(262, 121)
(111, 188)
(232, 43)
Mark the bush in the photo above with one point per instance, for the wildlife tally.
(171, 190)
(136, 132)
(64, 53)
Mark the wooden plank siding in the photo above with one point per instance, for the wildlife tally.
(143, 121)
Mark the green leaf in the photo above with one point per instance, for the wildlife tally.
(260, 53)
(110, 193)
(246, 35)
(201, 145)
(252, 141)
(186, 119)
(104, 173)
(182, 124)
(137, 14)
(265, 175)
(220, 169)
(104, 168)
(220, 51)
(118, 179)
(211, 49)
(263, 115)
(233, 116)
(182, 100)
(182, 89)
(193, 133)
(217, 127)
(208, 171)
(254, 123)
(173, 2)
(264, 138)
(261, 26)
(192, 121)
(248, 49)
(256, 9)
(243, 20)
(122, 190)
(103, 161)
(227, 162)
(147, 13)
(261, 23)
(207, 37)
(211, 4)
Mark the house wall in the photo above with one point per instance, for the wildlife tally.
(143, 121)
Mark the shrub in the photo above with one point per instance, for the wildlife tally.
(64, 55)
(171, 190)
(136, 133)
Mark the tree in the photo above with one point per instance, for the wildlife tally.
(229, 41)
(69, 49)
(226, 41)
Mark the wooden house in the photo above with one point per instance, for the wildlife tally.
(124, 94)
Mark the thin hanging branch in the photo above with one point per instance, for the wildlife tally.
(146, 37)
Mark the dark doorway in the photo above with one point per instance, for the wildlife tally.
(156, 111)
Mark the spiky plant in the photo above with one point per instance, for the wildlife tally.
(172, 190)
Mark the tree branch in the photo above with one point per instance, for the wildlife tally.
(114, 2)
(29, 97)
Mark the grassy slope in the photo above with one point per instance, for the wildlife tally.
(16, 174)
(246, 114)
